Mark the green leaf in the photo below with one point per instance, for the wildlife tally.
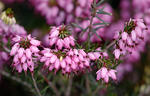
(94, 31)
(99, 3)
(99, 27)
(45, 89)
(100, 19)
(83, 31)
(103, 12)
(76, 25)
(104, 23)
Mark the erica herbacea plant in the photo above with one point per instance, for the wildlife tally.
(25, 50)
(61, 37)
(133, 34)
(83, 43)
(7, 17)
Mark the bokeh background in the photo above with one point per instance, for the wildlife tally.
(133, 74)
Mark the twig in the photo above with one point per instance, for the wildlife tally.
(91, 22)
(69, 86)
(101, 61)
(35, 85)
(50, 84)
(6, 74)
(88, 85)
(6, 49)
(111, 44)
(97, 89)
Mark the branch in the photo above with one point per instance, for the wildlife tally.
(91, 21)
(111, 44)
(88, 84)
(69, 86)
(97, 89)
(6, 74)
(35, 85)
(50, 84)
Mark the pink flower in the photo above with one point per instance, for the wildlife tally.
(117, 53)
(34, 49)
(3, 56)
(124, 36)
(69, 60)
(104, 74)
(14, 49)
(28, 53)
(63, 63)
(61, 37)
(112, 74)
(24, 51)
(91, 56)
(133, 35)
(58, 11)
(35, 42)
(60, 44)
(57, 64)
(132, 38)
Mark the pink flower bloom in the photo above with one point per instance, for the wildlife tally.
(28, 53)
(63, 63)
(131, 38)
(124, 36)
(104, 74)
(4, 56)
(133, 35)
(23, 52)
(138, 31)
(34, 49)
(53, 59)
(57, 64)
(60, 37)
(20, 52)
(56, 12)
(112, 74)
(59, 44)
(91, 56)
(117, 53)
(35, 42)
(14, 49)
(69, 60)
(82, 52)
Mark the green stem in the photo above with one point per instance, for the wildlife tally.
(91, 22)
(68, 91)
(50, 84)
(35, 85)
(88, 85)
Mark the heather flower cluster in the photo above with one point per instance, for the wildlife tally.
(8, 30)
(134, 33)
(62, 52)
(73, 60)
(61, 37)
(83, 36)
(24, 51)
(105, 73)
(65, 58)
(7, 17)
(56, 11)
